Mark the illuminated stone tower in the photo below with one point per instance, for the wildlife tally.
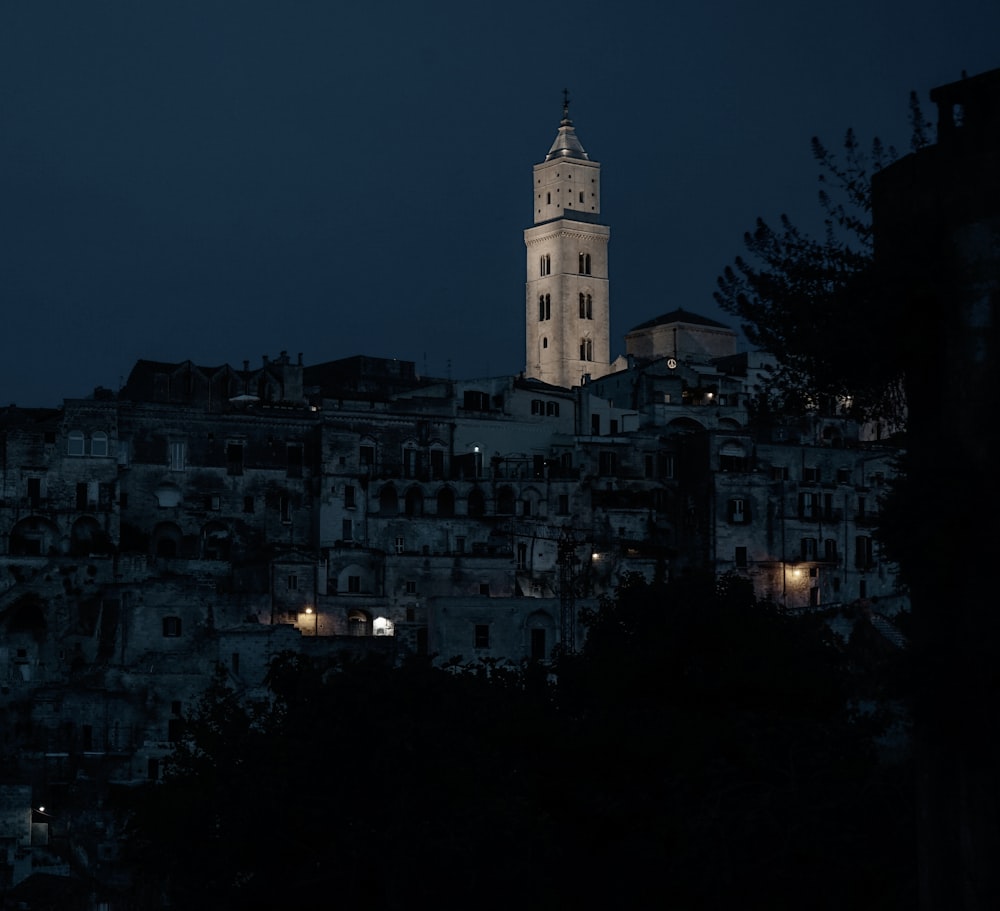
(567, 317)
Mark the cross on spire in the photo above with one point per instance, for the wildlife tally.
(565, 104)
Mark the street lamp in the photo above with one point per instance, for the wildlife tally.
(315, 614)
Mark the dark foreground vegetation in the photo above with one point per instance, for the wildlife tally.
(704, 751)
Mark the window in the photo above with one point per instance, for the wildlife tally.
(843, 475)
(177, 455)
(595, 424)
(607, 463)
(830, 549)
(522, 554)
(779, 473)
(347, 530)
(544, 307)
(666, 464)
(460, 544)
(411, 586)
(585, 264)
(552, 409)
(613, 429)
(285, 509)
(545, 343)
(75, 443)
(400, 543)
(294, 460)
(810, 475)
(171, 627)
(739, 512)
(586, 349)
(545, 265)
(741, 557)
(99, 443)
(863, 552)
(808, 548)
(537, 406)
(248, 504)
(366, 456)
(538, 649)
(213, 502)
(807, 506)
(482, 635)
(437, 463)
(292, 581)
(586, 306)
(564, 504)
(354, 584)
(234, 458)
(34, 492)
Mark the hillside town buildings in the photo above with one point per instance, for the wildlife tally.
(216, 516)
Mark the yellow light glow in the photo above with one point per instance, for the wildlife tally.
(309, 610)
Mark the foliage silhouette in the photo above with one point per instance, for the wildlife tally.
(701, 748)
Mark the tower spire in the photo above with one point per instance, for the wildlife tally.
(566, 144)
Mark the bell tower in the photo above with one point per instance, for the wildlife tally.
(567, 317)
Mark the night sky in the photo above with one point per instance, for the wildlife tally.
(218, 181)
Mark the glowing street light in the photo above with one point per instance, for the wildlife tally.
(315, 615)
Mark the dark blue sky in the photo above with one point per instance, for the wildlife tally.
(223, 180)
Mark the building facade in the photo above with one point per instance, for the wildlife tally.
(214, 517)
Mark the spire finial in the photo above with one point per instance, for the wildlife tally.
(565, 104)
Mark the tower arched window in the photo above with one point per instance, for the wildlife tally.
(545, 265)
(585, 264)
(586, 306)
(545, 343)
(544, 307)
(586, 349)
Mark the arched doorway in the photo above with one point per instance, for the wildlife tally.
(34, 537)
(87, 537)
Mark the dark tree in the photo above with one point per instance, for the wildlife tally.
(814, 303)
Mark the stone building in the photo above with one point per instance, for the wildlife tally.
(214, 517)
